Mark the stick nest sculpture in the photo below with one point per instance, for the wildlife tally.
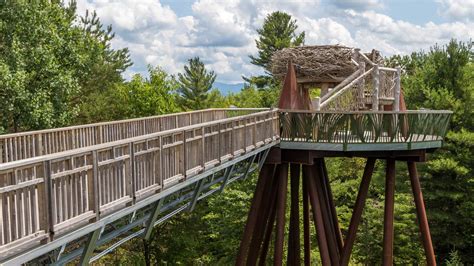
(318, 63)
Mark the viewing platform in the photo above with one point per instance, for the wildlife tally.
(69, 185)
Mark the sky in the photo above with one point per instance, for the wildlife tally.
(222, 33)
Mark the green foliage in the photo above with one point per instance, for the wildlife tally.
(138, 97)
(48, 63)
(194, 85)
(278, 32)
(443, 78)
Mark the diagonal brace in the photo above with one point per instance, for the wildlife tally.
(90, 246)
(153, 216)
(228, 173)
(195, 197)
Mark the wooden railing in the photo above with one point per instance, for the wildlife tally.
(370, 85)
(364, 127)
(56, 193)
(25, 145)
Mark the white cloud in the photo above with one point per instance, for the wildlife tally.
(222, 32)
(457, 9)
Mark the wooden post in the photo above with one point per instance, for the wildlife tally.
(396, 93)
(357, 212)
(388, 213)
(421, 214)
(375, 96)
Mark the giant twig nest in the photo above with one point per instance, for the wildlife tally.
(322, 63)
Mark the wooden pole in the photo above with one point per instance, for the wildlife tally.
(357, 212)
(264, 177)
(294, 234)
(389, 212)
(280, 214)
(421, 214)
(317, 215)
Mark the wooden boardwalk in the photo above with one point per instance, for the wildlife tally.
(60, 185)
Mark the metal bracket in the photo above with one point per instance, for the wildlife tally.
(153, 216)
(195, 197)
(90, 246)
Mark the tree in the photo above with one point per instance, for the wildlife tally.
(194, 85)
(278, 32)
(50, 62)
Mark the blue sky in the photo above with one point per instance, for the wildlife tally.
(222, 32)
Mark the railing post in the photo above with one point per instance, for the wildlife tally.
(185, 156)
(396, 94)
(361, 94)
(375, 99)
(203, 152)
(94, 195)
(47, 201)
(133, 176)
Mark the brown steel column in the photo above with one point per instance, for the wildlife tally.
(332, 207)
(388, 212)
(357, 212)
(421, 214)
(264, 176)
(294, 234)
(327, 217)
(317, 215)
(306, 231)
(280, 214)
(268, 233)
(263, 213)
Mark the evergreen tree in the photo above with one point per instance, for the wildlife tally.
(278, 32)
(195, 84)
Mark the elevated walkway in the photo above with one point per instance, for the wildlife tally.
(63, 192)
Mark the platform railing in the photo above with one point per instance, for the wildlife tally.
(29, 144)
(364, 127)
(47, 196)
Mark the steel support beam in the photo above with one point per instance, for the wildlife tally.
(280, 214)
(389, 213)
(90, 247)
(294, 234)
(196, 193)
(357, 212)
(156, 209)
(421, 214)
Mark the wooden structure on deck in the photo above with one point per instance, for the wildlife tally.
(345, 121)
(66, 191)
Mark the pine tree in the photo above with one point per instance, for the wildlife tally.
(195, 84)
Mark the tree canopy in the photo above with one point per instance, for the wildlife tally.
(195, 84)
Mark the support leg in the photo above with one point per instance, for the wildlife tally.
(327, 217)
(268, 232)
(280, 214)
(270, 193)
(332, 207)
(306, 234)
(153, 216)
(357, 212)
(89, 247)
(388, 213)
(265, 175)
(294, 234)
(421, 214)
(317, 215)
